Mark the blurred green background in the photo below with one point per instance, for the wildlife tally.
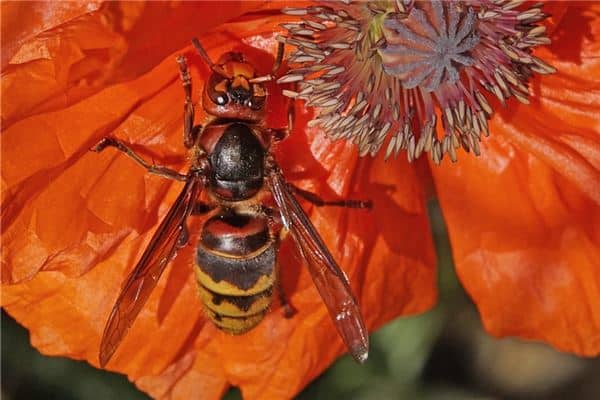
(441, 355)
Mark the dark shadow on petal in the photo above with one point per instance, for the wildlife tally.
(574, 28)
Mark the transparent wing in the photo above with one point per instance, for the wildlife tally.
(145, 275)
(330, 280)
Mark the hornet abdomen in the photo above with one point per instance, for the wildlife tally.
(236, 270)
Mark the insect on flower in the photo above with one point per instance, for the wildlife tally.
(527, 254)
(237, 250)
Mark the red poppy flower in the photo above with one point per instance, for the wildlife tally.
(522, 217)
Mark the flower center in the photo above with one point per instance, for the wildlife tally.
(429, 46)
(412, 73)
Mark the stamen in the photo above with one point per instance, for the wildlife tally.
(390, 69)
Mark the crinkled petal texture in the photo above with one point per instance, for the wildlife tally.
(76, 222)
(524, 218)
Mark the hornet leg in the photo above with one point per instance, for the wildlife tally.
(151, 168)
(190, 132)
(319, 202)
(286, 306)
(280, 134)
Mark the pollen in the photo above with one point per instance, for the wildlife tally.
(412, 75)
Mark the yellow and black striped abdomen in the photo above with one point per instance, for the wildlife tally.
(236, 270)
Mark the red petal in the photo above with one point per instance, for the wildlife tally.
(61, 59)
(75, 223)
(523, 218)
